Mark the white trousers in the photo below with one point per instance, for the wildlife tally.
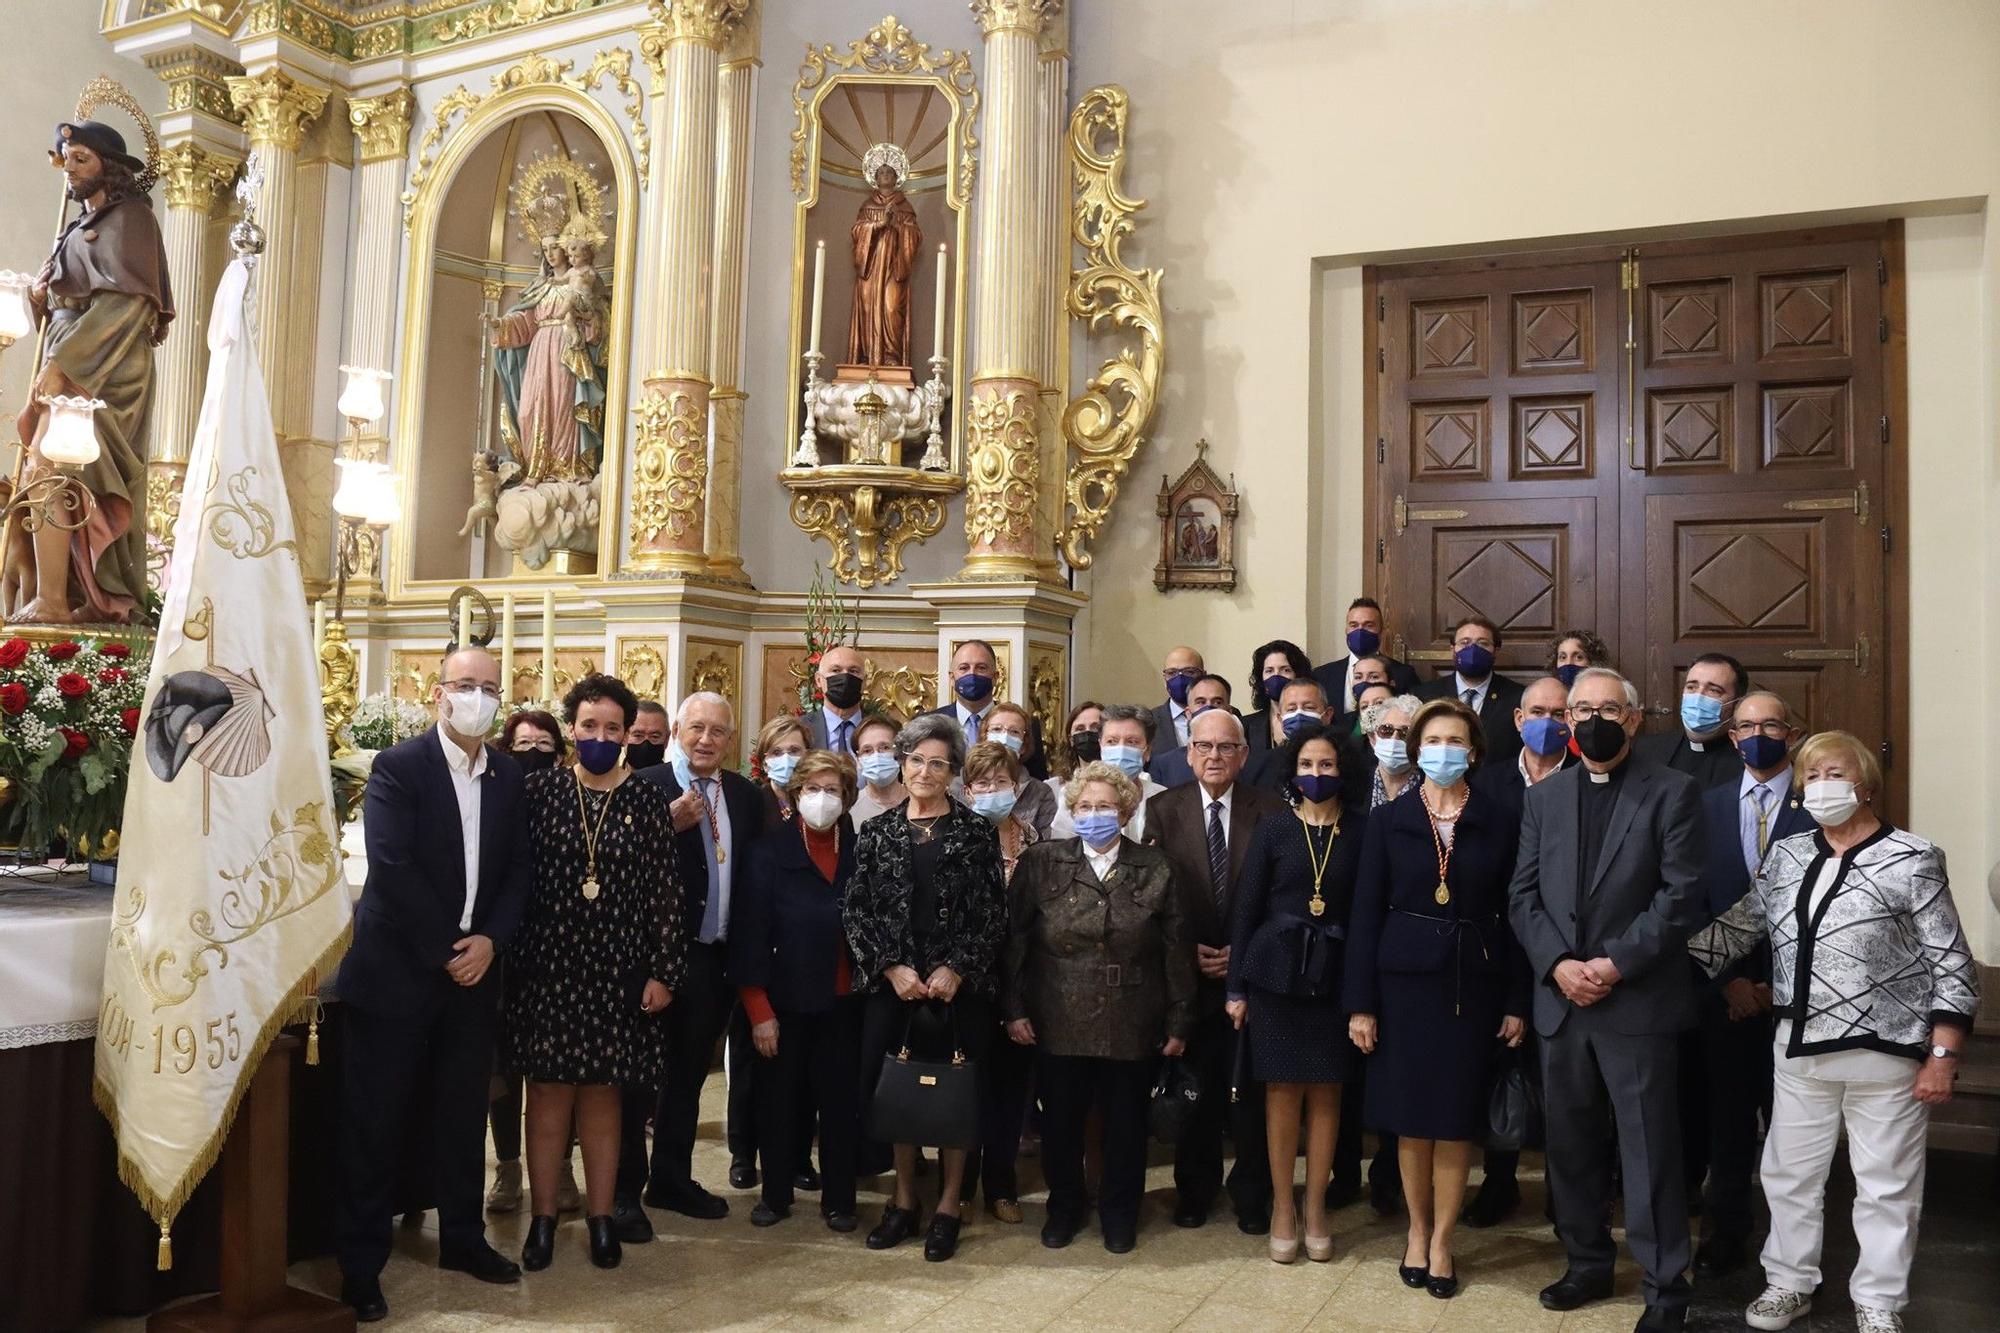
(1886, 1127)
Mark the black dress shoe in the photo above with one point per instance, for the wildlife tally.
(365, 1296)
(539, 1249)
(1492, 1205)
(630, 1224)
(485, 1263)
(1256, 1223)
(1574, 1289)
(1190, 1215)
(841, 1222)
(687, 1199)
(1662, 1319)
(1444, 1288)
(1413, 1278)
(1340, 1193)
(1060, 1230)
(896, 1226)
(941, 1241)
(604, 1248)
(1720, 1256)
(764, 1215)
(1385, 1195)
(742, 1175)
(1120, 1240)
(806, 1181)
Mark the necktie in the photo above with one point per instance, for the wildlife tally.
(1472, 700)
(1218, 854)
(711, 912)
(1760, 837)
(841, 737)
(971, 729)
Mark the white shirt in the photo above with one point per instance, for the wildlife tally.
(1179, 713)
(1528, 779)
(466, 770)
(1779, 785)
(1479, 691)
(1101, 862)
(833, 721)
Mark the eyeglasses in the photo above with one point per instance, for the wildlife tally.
(923, 765)
(1216, 747)
(472, 686)
(524, 746)
(1609, 712)
(1181, 673)
(1774, 728)
(1389, 732)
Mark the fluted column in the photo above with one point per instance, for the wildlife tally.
(1004, 470)
(1052, 260)
(670, 464)
(725, 350)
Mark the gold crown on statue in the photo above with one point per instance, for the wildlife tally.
(553, 194)
(581, 231)
(887, 155)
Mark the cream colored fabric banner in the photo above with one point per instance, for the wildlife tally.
(228, 908)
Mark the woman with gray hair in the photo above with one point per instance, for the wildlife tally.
(1100, 977)
(925, 914)
(1391, 764)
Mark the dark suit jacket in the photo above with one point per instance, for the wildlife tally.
(745, 803)
(1714, 764)
(1164, 735)
(1638, 907)
(1496, 715)
(1170, 768)
(1724, 877)
(1332, 677)
(407, 920)
(1177, 823)
(785, 930)
(1502, 784)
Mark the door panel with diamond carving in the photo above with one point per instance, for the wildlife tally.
(1716, 483)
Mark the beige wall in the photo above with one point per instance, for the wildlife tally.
(1281, 145)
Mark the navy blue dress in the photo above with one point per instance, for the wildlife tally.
(1437, 977)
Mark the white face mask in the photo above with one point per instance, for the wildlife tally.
(469, 714)
(1831, 801)
(819, 809)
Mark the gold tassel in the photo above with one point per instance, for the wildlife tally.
(166, 1260)
(312, 1036)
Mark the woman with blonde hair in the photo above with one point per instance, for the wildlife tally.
(780, 745)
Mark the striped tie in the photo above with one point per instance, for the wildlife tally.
(1218, 854)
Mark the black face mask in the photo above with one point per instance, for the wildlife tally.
(843, 690)
(534, 761)
(644, 754)
(1600, 739)
(1083, 744)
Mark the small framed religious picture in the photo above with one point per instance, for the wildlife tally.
(1197, 528)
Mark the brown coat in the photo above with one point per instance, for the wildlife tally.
(1103, 969)
(1176, 822)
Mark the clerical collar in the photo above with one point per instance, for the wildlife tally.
(1699, 747)
(1595, 776)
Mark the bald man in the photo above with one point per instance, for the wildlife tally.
(1181, 669)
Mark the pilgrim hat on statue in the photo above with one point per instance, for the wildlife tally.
(99, 138)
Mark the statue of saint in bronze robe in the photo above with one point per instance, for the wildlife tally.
(886, 242)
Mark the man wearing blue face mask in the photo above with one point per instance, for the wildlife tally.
(1182, 667)
(1302, 704)
(1174, 768)
(1365, 637)
(1125, 740)
(1475, 641)
(1699, 746)
(974, 675)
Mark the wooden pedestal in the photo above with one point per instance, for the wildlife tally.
(256, 1170)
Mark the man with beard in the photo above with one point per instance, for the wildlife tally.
(105, 296)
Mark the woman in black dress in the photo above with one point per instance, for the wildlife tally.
(1284, 981)
(600, 952)
(1434, 977)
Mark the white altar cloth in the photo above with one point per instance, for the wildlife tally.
(53, 930)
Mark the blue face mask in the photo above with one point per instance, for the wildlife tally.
(1545, 735)
(1295, 723)
(1177, 688)
(1761, 752)
(780, 767)
(973, 687)
(1392, 753)
(1361, 687)
(995, 805)
(1006, 738)
(1363, 642)
(1098, 829)
(1568, 674)
(1444, 765)
(879, 769)
(1317, 786)
(1474, 661)
(1274, 685)
(683, 771)
(598, 756)
(1127, 759)
(1700, 714)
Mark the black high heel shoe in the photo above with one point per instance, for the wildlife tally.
(1444, 1288)
(605, 1251)
(1413, 1278)
(540, 1247)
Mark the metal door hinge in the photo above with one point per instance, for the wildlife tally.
(1888, 753)
(1881, 269)
(1882, 329)
(1381, 307)
(1885, 539)
(1857, 500)
(1381, 359)
(1381, 450)
(1882, 430)
(1857, 655)
(1381, 550)
(1404, 515)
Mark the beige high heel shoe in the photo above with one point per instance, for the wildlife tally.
(1319, 1249)
(1284, 1251)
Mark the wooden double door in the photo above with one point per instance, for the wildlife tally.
(1684, 447)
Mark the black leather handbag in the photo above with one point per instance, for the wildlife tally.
(1176, 1097)
(1513, 1104)
(934, 1104)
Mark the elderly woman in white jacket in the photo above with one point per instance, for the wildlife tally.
(1874, 989)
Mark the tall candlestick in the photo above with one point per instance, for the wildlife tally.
(937, 339)
(548, 646)
(319, 623)
(819, 291)
(465, 622)
(507, 648)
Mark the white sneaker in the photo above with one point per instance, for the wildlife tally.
(1875, 1319)
(1777, 1308)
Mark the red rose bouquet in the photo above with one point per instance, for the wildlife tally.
(69, 718)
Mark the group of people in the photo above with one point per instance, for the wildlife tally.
(1356, 905)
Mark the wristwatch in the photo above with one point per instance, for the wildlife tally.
(1943, 1053)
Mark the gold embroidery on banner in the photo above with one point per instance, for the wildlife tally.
(241, 526)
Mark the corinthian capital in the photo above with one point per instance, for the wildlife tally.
(382, 123)
(1013, 15)
(195, 178)
(709, 22)
(276, 107)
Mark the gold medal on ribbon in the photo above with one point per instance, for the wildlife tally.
(1443, 894)
(1317, 906)
(590, 890)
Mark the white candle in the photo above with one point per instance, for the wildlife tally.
(507, 647)
(465, 622)
(937, 339)
(548, 646)
(819, 292)
(319, 623)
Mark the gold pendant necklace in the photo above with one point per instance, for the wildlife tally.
(1319, 863)
(591, 888)
(1442, 894)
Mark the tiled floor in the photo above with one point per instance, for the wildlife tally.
(727, 1275)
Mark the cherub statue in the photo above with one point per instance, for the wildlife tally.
(489, 474)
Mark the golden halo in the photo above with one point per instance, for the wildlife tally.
(107, 91)
(581, 194)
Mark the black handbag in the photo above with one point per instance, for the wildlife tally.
(1176, 1097)
(1513, 1104)
(934, 1104)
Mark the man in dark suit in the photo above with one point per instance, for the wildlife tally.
(1205, 829)
(1174, 768)
(1364, 639)
(1699, 744)
(1473, 681)
(1181, 669)
(717, 813)
(831, 726)
(1607, 888)
(1303, 703)
(448, 876)
(1726, 1062)
(975, 669)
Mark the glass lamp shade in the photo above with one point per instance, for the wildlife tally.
(351, 497)
(361, 395)
(17, 321)
(71, 439)
(384, 505)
